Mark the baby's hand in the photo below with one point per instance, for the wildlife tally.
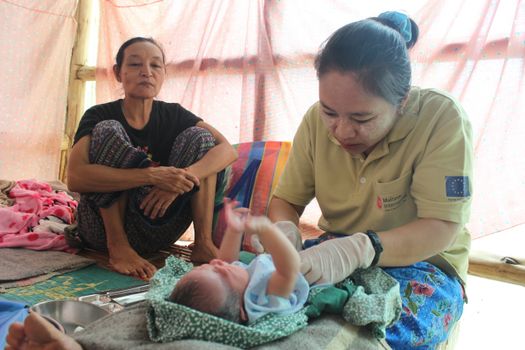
(235, 216)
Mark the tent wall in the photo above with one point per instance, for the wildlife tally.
(475, 49)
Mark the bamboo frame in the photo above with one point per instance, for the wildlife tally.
(76, 88)
(488, 265)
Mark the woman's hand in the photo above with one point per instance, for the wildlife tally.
(235, 216)
(157, 202)
(173, 179)
(334, 260)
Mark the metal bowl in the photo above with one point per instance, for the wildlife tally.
(73, 315)
(54, 323)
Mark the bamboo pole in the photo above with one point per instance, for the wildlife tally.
(86, 73)
(492, 266)
(76, 87)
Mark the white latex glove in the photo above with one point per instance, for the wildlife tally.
(288, 228)
(335, 259)
(292, 233)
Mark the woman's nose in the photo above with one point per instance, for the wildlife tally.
(146, 71)
(344, 129)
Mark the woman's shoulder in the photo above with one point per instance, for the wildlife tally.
(312, 112)
(107, 108)
(433, 103)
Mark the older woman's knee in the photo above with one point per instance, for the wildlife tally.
(200, 137)
(107, 128)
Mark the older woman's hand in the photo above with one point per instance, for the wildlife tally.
(157, 202)
(173, 179)
(334, 260)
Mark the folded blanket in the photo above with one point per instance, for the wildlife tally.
(127, 330)
(21, 264)
(37, 218)
(368, 298)
(376, 302)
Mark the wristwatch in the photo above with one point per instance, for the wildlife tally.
(376, 243)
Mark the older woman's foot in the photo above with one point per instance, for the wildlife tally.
(126, 261)
(37, 333)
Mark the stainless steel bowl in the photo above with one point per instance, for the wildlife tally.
(73, 315)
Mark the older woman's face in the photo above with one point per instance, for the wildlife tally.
(355, 118)
(142, 73)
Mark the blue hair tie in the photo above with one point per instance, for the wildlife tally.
(401, 22)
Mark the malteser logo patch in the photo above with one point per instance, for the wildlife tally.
(391, 202)
(379, 202)
(457, 186)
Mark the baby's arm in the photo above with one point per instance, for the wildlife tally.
(231, 241)
(284, 255)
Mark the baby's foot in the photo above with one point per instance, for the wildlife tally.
(37, 333)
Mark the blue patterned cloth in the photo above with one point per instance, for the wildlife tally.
(432, 304)
(10, 312)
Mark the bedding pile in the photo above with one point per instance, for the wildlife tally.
(34, 216)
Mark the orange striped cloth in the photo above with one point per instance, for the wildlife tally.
(250, 180)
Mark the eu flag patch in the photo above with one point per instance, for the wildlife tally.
(457, 186)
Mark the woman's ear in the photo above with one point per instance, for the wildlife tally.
(402, 105)
(116, 71)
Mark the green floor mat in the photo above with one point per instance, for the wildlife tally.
(89, 280)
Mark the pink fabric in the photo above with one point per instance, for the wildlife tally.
(36, 39)
(36, 218)
(247, 68)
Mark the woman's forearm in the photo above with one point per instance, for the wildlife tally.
(100, 178)
(216, 159)
(281, 210)
(416, 241)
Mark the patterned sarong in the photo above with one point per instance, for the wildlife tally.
(111, 146)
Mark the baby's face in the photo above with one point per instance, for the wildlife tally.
(220, 278)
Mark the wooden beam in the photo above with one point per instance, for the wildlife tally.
(76, 88)
(492, 266)
(86, 73)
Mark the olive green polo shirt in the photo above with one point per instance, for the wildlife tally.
(421, 169)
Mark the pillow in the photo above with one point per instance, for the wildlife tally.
(250, 180)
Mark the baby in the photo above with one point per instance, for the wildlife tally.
(242, 293)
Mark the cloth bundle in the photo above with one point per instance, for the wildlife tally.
(168, 321)
(375, 302)
(370, 298)
(37, 218)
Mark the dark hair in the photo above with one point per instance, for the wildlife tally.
(375, 51)
(191, 294)
(120, 54)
